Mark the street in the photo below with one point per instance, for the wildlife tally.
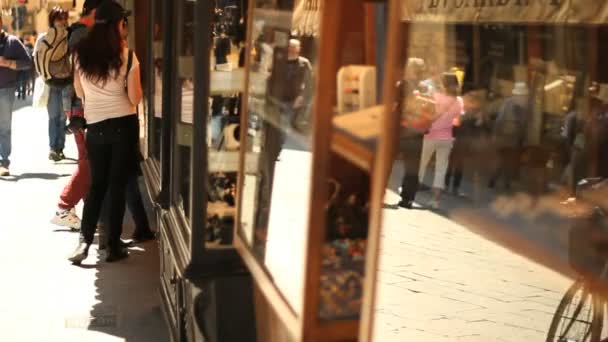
(440, 280)
(44, 297)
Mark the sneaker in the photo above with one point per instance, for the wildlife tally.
(66, 218)
(4, 172)
(117, 254)
(80, 253)
(433, 204)
(54, 156)
(60, 155)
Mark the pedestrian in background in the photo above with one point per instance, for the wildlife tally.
(52, 61)
(411, 134)
(110, 91)
(440, 139)
(14, 58)
(508, 133)
(78, 185)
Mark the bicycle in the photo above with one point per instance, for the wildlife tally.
(580, 314)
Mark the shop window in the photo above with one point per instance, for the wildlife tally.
(494, 173)
(185, 102)
(156, 105)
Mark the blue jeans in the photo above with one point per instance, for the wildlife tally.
(60, 101)
(7, 98)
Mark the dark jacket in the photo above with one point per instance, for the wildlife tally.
(11, 48)
(290, 79)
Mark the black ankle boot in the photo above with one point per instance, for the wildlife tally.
(116, 254)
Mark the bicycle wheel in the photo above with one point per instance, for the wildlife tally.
(577, 318)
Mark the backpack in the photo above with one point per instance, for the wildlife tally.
(52, 58)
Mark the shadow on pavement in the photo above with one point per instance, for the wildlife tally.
(128, 294)
(532, 225)
(41, 175)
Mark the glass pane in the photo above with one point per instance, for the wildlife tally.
(157, 105)
(356, 121)
(227, 84)
(185, 67)
(274, 210)
(487, 225)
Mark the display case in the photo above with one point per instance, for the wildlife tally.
(193, 142)
(306, 177)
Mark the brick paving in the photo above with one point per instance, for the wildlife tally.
(441, 282)
(42, 296)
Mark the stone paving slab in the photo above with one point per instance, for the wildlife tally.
(441, 282)
(42, 296)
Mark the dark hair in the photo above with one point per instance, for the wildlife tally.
(100, 52)
(56, 14)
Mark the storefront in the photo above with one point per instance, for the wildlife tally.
(189, 169)
(275, 138)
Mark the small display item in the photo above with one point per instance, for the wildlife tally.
(356, 88)
(219, 230)
(222, 188)
(342, 279)
(347, 217)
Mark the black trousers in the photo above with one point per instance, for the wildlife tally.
(112, 155)
(134, 203)
(411, 151)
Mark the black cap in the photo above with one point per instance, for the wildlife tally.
(90, 5)
(110, 11)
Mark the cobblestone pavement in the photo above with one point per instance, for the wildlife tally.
(441, 282)
(42, 296)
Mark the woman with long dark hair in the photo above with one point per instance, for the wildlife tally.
(110, 91)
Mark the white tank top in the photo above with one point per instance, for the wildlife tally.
(109, 100)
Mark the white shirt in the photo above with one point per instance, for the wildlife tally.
(109, 100)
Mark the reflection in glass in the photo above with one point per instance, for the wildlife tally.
(223, 127)
(275, 205)
(186, 94)
(157, 61)
(505, 232)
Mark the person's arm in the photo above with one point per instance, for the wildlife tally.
(78, 86)
(16, 56)
(135, 91)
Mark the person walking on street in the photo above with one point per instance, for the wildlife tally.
(52, 61)
(440, 139)
(509, 132)
(14, 58)
(78, 185)
(410, 142)
(107, 78)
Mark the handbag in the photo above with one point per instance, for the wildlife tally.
(41, 94)
(419, 112)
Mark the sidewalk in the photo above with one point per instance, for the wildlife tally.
(441, 280)
(42, 296)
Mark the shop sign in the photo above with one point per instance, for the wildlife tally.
(506, 11)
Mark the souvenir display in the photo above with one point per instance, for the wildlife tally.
(343, 255)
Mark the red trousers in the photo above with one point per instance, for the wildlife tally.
(78, 186)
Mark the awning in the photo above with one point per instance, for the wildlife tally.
(506, 11)
(305, 21)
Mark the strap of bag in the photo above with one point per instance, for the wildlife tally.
(129, 65)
